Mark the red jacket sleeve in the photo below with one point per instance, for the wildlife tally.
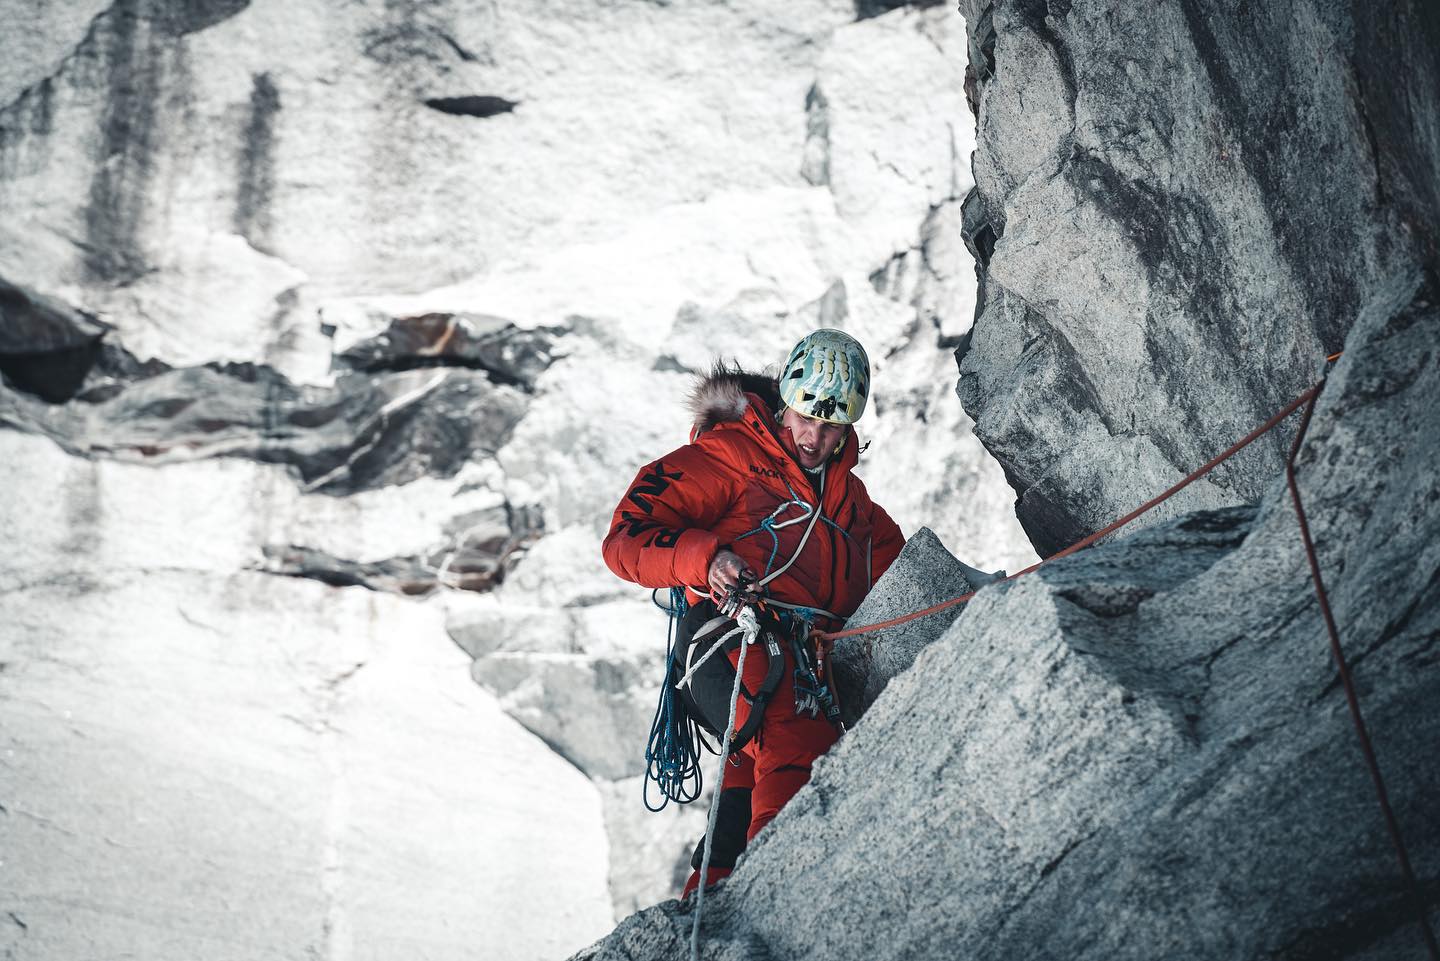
(885, 544)
(660, 532)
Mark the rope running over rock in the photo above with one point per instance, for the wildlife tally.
(1366, 748)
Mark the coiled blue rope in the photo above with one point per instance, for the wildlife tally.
(672, 758)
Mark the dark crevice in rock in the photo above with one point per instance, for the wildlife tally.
(978, 230)
(1058, 859)
(815, 167)
(256, 174)
(1108, 600)
(55, 376)
(47, 348)
(961, 347)
(497, 375)
(1236, 519)
(508, 354)
(866, 9)
(482, 105)
(192, 16)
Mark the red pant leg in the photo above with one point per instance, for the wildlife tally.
(787, 743)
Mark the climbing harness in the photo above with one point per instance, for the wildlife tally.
(705, 700)
(1307, 399)
(813, 692)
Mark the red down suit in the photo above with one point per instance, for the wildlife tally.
(734, 486)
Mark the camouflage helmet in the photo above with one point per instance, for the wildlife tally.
(827, 376)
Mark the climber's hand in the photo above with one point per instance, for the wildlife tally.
(728, 575)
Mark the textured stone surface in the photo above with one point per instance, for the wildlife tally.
(925, 573)
(1142, 751)
(1192, 201)
(643, 843)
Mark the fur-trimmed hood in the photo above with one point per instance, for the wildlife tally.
(720, 395)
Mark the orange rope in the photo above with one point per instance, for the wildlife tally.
(1392, 825)
(1170, 492)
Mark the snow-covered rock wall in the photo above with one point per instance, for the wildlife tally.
(331, 334)
(205, 760)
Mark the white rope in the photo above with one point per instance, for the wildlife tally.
(708, 654)
(751, 627)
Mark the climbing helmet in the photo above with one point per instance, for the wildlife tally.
(827, 376)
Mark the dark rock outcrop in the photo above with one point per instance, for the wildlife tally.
(47, 347)
(366, 432)
(508, 354)
(1141, 751)
(1181, 208)
(479, 551)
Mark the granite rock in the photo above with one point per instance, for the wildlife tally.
(924, 574)
(1179, 211)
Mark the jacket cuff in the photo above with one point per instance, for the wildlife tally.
(692, 556)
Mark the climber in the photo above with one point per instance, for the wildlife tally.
(736, 506)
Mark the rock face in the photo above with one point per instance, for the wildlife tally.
(924, 574)
(1180, 210)
(1142, 751)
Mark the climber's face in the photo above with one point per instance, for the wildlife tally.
(815, 440)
